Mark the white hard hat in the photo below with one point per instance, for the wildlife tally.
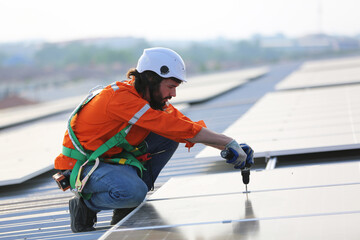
(163, 61)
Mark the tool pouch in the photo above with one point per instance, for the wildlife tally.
(62, 179)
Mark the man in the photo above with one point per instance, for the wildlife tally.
(119, 139)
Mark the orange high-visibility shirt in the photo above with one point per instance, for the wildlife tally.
(113, 109)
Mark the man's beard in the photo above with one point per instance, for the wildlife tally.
(156, 100)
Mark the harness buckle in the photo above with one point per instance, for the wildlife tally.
(80, 184)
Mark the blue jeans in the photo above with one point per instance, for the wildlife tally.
(119, 186)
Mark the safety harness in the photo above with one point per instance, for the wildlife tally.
(129, 155)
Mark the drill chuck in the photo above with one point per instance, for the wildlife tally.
(245, 173)
(227, 154)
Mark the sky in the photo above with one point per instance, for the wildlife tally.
(64, 20)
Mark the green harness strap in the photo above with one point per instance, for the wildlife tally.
(83, 157)
(126, 157)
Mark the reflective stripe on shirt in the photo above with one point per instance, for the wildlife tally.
(138, 115)
(114, 86)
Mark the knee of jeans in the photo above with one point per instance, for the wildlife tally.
(133, 196)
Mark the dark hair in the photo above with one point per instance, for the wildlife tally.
(144, 80)
(147, 79)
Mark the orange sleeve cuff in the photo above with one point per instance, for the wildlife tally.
(190, 144)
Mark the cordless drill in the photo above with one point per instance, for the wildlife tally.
(245, 172)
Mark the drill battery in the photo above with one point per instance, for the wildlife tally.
(62, 179)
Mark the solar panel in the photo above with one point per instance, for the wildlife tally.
(323, 73)
(299, 121)
(307, 79)
(330, 227)
(204, 87)
(300, 198)
(329, 64)
(13, 116)
(30, 150)
(316, 175)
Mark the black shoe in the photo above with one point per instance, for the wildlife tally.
(82, 219)
(119, 214)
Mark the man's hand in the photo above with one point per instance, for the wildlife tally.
(242, 155)
(250, 154)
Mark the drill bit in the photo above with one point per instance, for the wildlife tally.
(245, 173)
